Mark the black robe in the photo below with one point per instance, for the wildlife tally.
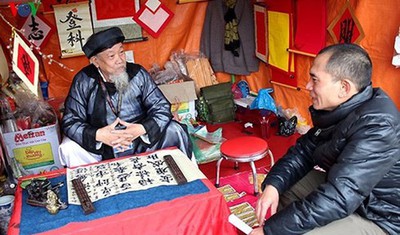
(86, 110)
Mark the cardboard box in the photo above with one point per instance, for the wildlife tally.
(182, 93)
(185, 110)
(36, 150)
(179, 92)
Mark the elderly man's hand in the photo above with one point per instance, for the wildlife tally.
(127, 135)
(269, 200)
(105, 134)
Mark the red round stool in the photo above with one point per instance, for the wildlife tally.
(244, 149)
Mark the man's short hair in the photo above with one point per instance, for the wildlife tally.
(102, 40)
(349, 61)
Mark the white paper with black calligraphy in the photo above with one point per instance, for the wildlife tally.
(74, 27)
(103, 180)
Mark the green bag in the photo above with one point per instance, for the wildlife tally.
(217, 103)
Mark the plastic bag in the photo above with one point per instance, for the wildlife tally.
(264, 101)
(204, 151)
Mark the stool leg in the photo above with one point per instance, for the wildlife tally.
(218, 168)
(271, 157)
(253, 169)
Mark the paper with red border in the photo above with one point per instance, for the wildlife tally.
(43, 27)
(153, 22)
(25, 64)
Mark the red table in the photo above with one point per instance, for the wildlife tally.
(205, 213)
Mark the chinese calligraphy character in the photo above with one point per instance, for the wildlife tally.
(152, 157)
(26, 64)
(123, 177)
(138, 166)
(125, 186)
(119, 168)
(71, 19)
(102, 182)
(144, 182)
(161, 170)
(101, 173)
(166, 178)
(157, 163)
(143, 174)
(106, 191)
(36, 33)
(75, 35)
(346, 30)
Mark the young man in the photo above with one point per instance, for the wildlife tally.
(114, 108)
(355, 140)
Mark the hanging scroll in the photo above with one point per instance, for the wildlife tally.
(74, 27)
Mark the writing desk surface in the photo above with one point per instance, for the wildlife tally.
(199, 213)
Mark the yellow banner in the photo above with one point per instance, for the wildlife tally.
(278, 39)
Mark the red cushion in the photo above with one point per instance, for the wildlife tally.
(245, 146)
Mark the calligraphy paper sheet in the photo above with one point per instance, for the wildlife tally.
(129, 174)
(74, 27)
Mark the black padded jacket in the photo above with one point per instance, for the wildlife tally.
(358, 145)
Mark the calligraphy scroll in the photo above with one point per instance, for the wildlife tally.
(37, 30)
(135, 173)
(106, 14)
(25, 64)
(74, 27)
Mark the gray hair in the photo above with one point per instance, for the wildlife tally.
(349, 61)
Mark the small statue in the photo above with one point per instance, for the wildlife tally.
(42, 193)
(52, 202)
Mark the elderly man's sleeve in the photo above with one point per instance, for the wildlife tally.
(74, 122)
(157, 107)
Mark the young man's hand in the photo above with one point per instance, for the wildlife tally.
(269, 199)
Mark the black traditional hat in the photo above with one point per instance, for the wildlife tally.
(102, 40)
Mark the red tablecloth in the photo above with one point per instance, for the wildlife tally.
(205, 213)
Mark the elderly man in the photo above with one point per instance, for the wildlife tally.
(114, 108)
(355, 140)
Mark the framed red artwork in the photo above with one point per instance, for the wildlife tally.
(106, 14)
(25, 64)
(153, 16)
(261, 33)
(346, 28)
